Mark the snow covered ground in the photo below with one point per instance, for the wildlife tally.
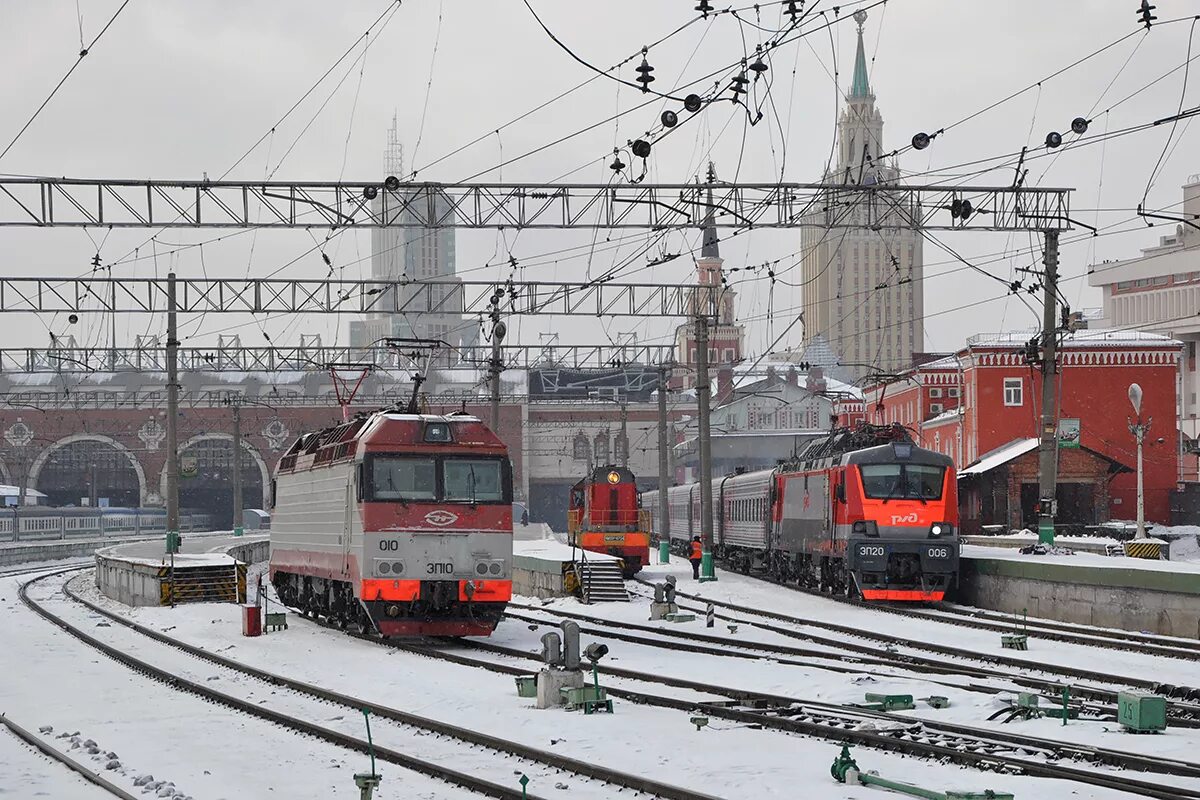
(724, 759)
(26, 773)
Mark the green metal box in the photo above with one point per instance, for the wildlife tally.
(890, 702)
(1141, 711)
(526, 686)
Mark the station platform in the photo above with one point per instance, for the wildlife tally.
(545, 567)
(1085, 588)
(206, 569)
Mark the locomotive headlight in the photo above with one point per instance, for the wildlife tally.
(941, 529)
(481, 568)
(397, 567)
(496, 568)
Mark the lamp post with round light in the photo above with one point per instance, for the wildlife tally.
(1138, 428)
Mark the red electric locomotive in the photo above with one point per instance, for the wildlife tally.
(399, 523)
(863, 512)
(604, 515)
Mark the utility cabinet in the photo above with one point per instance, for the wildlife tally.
(1142, 712)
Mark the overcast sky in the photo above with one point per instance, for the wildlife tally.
(177, 89)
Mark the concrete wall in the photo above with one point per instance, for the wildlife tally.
(131, 584)
(1129, 599)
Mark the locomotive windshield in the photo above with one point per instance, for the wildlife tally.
(453, 480)
(473, 480)
(404, 479)
(902, 481)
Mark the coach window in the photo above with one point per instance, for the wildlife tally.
(1013, 392)
(473, 480)
(403, 479)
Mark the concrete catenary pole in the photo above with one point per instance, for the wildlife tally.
(703, 390)
(1048, 449)
(238, 527)
(172, 420)
(496, 367)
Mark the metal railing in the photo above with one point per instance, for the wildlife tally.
(30, 523)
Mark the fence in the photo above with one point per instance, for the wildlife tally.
(34, 524)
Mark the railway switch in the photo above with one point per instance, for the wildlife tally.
(889, 702)
(845, 770)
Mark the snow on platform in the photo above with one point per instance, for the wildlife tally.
(1089, 560)
(206, 551)
(554, 550)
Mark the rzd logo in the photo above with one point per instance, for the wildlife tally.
(441, 518)
(901, 519)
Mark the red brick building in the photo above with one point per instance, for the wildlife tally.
(987, 397)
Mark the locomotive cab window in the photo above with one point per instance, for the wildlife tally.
(404, 479)
(902, 481)
(473, 480)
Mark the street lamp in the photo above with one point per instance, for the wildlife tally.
(1138, 429)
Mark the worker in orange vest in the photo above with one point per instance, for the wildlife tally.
(696, 556)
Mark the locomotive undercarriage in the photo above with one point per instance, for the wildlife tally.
(438, 606)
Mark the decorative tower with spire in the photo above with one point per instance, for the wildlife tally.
(860, 128)
(725, 337)
(862, 295)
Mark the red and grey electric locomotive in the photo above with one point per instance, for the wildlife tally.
(863, 512)
(399, 523)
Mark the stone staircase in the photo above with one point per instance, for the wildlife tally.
(601, 582)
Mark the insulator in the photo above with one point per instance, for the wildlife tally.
(73, 318)
(641, 148)
(738, 85)
(1079, 125)
(704, 7)
(670, 119)
(965, 210)
(644, 77)
(920, 141)
(693, 103)
(391, 183)
(956, 209)
(1144, 13)
(370, 192)
(759, 66)
(617, 165)
(792, 11)
(1053, 139)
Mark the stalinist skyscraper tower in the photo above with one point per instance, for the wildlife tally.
(862, 292)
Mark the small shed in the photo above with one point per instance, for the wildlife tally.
(1001, 488)
(12, 496)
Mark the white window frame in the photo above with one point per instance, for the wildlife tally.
(1014, 392)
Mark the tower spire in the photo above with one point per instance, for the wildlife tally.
(860, 87)
(709, 247)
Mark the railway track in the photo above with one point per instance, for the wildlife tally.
(609, 780)
(953, 614)
(1185, 710)
(987, 750)
(32, 740)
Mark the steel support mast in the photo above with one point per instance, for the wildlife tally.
(238, 527)
(703, 392)
(663, 529)
(1048, 448)
(172, 421)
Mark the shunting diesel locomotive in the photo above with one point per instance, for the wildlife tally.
(862, 512)
(605, 515)
(396, 523)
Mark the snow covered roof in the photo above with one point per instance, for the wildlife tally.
(749, 372)
(1088, 337)
(946, 362)
(945, 416)
(1000, 456)
(13, 491)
